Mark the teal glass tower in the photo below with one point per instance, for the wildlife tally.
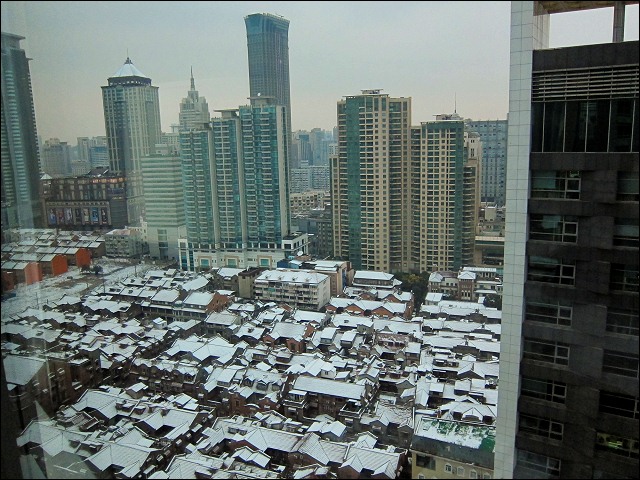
(21, 206)
(235, 179)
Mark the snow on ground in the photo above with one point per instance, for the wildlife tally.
(74, 283)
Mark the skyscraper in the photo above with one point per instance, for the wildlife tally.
(369, 190)
(194, 110)
(164, 201)
(268, 55)
(444, 191)
(132, 123)
(236, 189)
(56, 158)
(403, 198)
(568, 398)
(493, 134)
(21, 203)
(268, 52)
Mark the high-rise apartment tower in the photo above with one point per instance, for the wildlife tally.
(132, 123)
(568, 398)
(369, 186)
(21, 203)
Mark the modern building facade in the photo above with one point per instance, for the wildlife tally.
(268, 54)
(493, 134)
(369, 176)
(237, 190)
(444, 191)
(132, 123)
(21, 204)
(403, 198)
(164, 198)
(302, 288)
(568, 397)
(194, 110)
(95, 201)
(56, 158)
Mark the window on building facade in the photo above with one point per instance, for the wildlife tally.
(622, 321)
(549, 390)
(619, 404)
(585, 126)
(564, 184)
(551, 270)
(553, 228)
(619, 363)
(618, 445)
(448, 468)
(625, 232)
(541, 463)
(628, 187)
(425, 461)
(546, 351)
(553, 313)
(542, 427)
(624, 278)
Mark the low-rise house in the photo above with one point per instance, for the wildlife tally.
(299, 288)
(444, 449)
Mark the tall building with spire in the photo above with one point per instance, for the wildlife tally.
(194, 110)
(21, 203)
(132, 124)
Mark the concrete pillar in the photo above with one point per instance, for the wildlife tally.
(618, 22)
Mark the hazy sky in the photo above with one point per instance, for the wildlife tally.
(430, 51)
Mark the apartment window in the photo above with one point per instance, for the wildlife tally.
(624, 278)
(542, 427)
(623, 446)
(473, 474)
(448, 468)
(551, 270)
(625, 364)
(553, 228)
(460, 471)
(628, 187)
(540, 463)
(622, 321)
(546, 351)
(555, 184)
(425, 461)
(625, 232)
(621, 127)
(619, 404)
(553, 313)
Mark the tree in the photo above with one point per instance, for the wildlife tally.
(493, 300)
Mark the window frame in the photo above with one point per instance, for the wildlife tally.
(563, 314)
(555, 391)
(555, 358)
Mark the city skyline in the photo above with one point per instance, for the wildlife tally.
(383, 52)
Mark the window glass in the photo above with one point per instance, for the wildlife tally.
(576, 127)
(621, 125)
(598, 126)
(554, 127)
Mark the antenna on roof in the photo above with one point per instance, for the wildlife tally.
(455, 102)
